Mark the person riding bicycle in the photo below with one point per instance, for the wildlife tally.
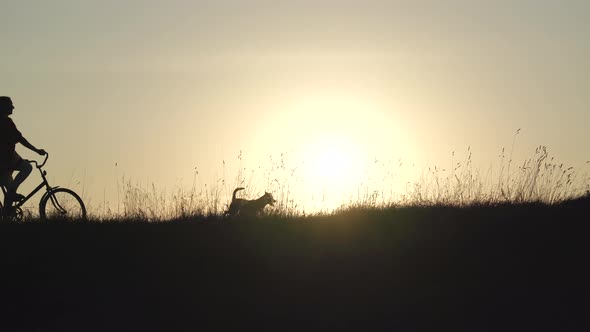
(10, 161)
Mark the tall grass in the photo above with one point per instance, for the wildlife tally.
(148, 202)
(537, 179)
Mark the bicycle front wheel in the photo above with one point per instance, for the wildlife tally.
(62, 204)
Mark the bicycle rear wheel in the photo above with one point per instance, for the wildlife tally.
(62, 204)
(11, 214)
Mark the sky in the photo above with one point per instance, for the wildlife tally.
(319, 100)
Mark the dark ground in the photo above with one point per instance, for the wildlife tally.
(507, 268)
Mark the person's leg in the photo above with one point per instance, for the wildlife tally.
(5, 177)
(23, 168)
(6, 181)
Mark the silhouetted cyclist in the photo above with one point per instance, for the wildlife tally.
(10, 161)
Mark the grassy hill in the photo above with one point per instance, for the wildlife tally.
(479, 268)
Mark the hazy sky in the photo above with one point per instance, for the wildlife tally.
(161, 87)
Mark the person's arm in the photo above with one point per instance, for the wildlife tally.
(30, 146)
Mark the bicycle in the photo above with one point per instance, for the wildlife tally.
(64, 204)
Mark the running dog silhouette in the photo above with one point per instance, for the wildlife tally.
(246, 207)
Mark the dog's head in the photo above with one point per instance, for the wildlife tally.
(268, 199)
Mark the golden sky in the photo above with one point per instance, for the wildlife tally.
(344, 89)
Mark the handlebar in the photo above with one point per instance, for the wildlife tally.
(37, 163)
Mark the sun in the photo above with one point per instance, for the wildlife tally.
(333, 167)
(331, 160)
(335, 140)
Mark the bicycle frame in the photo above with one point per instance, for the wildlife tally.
(44, 183)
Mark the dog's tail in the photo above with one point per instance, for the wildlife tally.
(233, 196)
(232, 208)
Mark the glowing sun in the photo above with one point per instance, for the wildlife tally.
(333, 162)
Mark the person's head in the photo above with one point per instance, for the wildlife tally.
(6, 106)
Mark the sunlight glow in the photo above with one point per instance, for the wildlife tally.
(335, 143)
(334, 166)
(333, 160)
